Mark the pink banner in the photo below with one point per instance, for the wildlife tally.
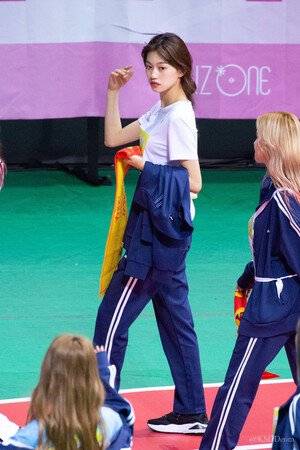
(235, 81)
(241, 81)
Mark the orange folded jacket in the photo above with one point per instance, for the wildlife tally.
(114, 243)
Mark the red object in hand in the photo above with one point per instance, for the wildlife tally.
(126, 153)
(240, 303)
(129, 151)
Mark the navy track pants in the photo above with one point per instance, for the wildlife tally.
(234, 399)
(124, 300)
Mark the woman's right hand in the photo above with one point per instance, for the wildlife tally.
(119, 77)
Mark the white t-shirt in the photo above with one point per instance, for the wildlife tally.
(169, 135)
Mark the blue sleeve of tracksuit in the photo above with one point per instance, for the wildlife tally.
(123, 437)
(246, 280)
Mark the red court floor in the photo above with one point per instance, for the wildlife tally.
(149, 403)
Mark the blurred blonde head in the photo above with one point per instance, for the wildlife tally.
(67, 400)
(3, 168)
(278, 146)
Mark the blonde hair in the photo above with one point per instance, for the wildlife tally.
(278, 135)
(297, 339)
(67, 399)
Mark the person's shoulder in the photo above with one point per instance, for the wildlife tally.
(182, 108)
(26, 437)
(182, 114)
(286, 199)
(288, 206)
(155, 108)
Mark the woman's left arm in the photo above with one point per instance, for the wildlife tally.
(193, 168)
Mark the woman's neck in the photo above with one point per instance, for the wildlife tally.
(167, 98)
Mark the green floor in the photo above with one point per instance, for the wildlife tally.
(53, 230)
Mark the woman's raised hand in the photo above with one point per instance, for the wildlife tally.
(99, 348)
(119, 77)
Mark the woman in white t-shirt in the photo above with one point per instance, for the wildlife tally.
(168, 136)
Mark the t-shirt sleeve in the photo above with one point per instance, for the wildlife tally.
(182, 140)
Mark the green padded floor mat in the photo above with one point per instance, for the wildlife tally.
(53, 231)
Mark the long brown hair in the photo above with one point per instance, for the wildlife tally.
(175, 52)
(67, 399)
(278, 136)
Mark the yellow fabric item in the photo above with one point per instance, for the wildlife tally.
(114, 243)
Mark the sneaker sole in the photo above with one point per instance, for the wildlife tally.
(188, 428)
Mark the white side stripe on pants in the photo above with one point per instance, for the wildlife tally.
(118, 314)
(231, 393)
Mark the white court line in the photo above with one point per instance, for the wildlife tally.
(162, 388)
(277, 381)
(207, 385)
(15, 400)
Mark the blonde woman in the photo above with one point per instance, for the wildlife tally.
(3, 169)
(273, 309)
(67, 409)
